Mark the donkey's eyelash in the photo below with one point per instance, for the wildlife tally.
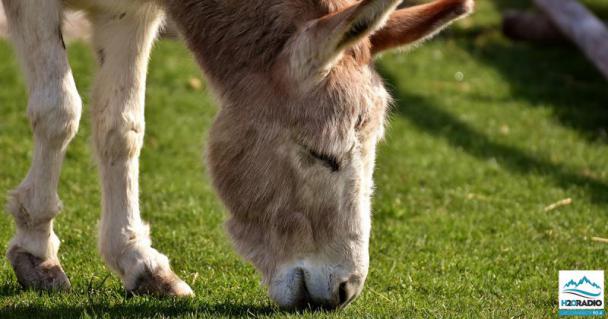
(330, 160)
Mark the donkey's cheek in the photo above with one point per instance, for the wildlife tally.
(293, 227)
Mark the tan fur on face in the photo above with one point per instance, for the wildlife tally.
(265, 120)
(292, 150)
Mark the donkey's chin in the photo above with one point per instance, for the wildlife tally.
(317, 288)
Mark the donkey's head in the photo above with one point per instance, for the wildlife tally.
(292, 153)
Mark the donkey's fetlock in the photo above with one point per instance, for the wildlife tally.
(161, 283)
(152, 275)
(34, 222)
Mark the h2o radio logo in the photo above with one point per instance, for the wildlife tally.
(581, 293)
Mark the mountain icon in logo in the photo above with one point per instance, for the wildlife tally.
(583, 288)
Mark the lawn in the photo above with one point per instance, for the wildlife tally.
(484, 135)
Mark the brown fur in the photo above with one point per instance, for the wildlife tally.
(412, 24)
(253, 93)
(277, 123)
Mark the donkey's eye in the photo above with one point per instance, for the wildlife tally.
(329, 160)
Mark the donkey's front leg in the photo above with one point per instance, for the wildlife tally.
(123, 42)
(54, 112)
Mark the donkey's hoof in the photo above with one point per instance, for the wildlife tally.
(36, 273)
(160, 284)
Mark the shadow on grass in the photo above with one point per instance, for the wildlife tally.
(98, 304)
(135, 310)
(9, 289)
(105, 303)
(556, 77)
(428, 117)
(108, 304)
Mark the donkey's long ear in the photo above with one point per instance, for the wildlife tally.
(320, 44)
(414, 24)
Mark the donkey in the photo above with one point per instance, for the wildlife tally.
(291, 152)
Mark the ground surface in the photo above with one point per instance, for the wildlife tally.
(484, 135)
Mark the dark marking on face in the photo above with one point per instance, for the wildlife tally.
(360, 122)
(329, 160)
(119, 16)
(60, 34)
(101, 55)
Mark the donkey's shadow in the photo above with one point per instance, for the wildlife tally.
(61, 307)
(137, 311)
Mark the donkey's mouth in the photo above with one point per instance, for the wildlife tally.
(303, 299)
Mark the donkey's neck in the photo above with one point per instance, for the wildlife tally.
(232, 40)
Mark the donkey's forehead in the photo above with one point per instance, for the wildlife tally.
(351, 102)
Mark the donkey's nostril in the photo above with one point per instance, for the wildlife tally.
(347, 292)
(300, 289)
(343, 293)
(304, 293)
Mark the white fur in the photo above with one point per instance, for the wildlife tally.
(123, 34)
(54, 109)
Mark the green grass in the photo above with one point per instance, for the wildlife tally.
(484, 134)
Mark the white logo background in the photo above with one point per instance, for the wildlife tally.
(594, 276)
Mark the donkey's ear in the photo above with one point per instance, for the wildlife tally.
(320, 44)
(415, 24)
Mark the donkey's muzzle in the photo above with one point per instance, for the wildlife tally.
(302, 290)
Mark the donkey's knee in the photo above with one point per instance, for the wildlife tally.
(117, 137)
(54, 114)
